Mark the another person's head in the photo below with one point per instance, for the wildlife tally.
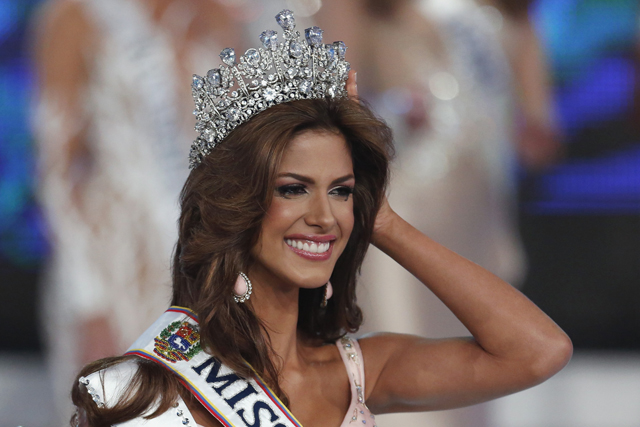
(224, 204)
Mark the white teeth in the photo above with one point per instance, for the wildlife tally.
(315, 248)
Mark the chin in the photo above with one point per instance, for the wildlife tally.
(311, 281)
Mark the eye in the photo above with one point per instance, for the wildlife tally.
(291, 190)
(342, 192)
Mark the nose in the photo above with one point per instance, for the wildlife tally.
(320, 213)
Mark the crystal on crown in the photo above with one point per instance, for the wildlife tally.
(305, 87)
(285, 20)
(269, 94)
(314, 36)
(214, 78)
(331, 52)
(198, 82)
(269, 39)
(295, 50)
(228, 56)
(253, 56)
(280, 71)
(341, 48)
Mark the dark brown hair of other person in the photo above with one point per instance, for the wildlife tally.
(223, 204)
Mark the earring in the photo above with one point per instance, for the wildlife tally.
(328, 291)
(242, 289)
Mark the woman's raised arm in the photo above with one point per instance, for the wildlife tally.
(514, 345)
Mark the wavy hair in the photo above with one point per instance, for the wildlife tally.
(223, 202)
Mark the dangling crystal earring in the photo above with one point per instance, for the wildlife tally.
(242, 289)
(328, 291)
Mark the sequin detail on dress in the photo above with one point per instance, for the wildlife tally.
(358, 413)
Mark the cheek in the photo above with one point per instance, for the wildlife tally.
(279, 218)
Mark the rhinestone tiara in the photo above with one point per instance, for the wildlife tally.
(278, 72)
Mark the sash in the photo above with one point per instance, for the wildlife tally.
(173, 341)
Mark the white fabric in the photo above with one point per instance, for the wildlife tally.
(138, 166)
(109, 384)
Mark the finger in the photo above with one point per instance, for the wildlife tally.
(352, 84)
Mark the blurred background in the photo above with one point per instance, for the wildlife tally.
(517, 128)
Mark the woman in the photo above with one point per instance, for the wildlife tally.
(111, 109)
(277, 215)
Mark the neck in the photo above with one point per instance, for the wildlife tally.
(277, 308)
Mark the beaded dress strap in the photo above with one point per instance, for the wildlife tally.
(352, 357)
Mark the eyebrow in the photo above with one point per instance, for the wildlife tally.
(311, 181)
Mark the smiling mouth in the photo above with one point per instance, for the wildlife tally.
(309, 246)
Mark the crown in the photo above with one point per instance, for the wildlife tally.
(278, 72)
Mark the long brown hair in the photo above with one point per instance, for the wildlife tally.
(223, 202)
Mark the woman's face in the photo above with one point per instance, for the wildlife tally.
(310, 218)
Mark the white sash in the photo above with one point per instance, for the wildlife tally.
(174, 342)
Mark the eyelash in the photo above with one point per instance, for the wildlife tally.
(292, 190)
(343, 191)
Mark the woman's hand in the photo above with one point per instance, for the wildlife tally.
(385, 215)
(352, 85)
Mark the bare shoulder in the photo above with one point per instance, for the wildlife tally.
(380, 348)
(377, 344)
